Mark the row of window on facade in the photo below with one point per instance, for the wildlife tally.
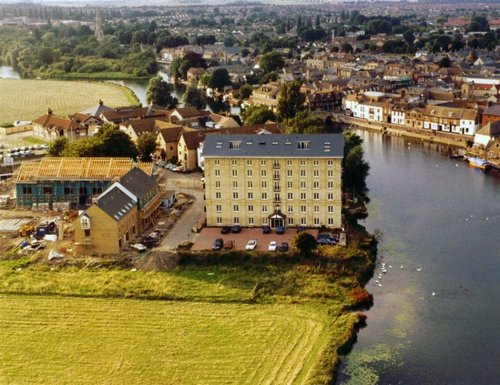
(290, 209)
(290, 221)
(49, 190)
(236, 144)
(276, 162)
(277, 196)
(277, 186)
(277, 174)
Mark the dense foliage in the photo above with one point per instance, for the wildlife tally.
(146, 146)
(257, 114)
(194, 97)
(355, 168)
(160, 93)
(290, 100)
(62, 51)
(108, 141)
(271, 61)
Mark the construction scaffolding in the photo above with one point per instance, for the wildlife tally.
(72, 180)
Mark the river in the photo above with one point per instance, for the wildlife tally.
(9, 73)
(441, 217)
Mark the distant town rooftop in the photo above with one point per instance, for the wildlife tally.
(275, 146)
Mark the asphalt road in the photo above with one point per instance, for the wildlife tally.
(187, 184)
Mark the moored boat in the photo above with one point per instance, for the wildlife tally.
(479, 163)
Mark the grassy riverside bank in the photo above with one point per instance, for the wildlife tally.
(216, 318)
(106, 75)
(26, 99)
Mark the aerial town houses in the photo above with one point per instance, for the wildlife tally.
(255, 175)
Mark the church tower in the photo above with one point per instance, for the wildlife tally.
(98, 26)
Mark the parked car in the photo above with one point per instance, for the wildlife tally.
(300, 229)
(225, 230)
(138, 247)
(280, 230)
(273, 246)
(236, 229)
(150, 240)
(251, 245)
(326, 239)
(266, 230)
(19, 123)
(283, 247)
(218, 244)
(228, 245)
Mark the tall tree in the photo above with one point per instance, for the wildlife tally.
(303, 123)
(478, 24)
(271, 61)
(304, 243)
(355, 168)
(220, 78)
(245, 91)
(160, 93)
(257, 114)
(290, 100)
(146, 145)
(194, 97)
(114, 142)
(57, 146)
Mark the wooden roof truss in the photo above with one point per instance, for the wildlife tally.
(78, 169)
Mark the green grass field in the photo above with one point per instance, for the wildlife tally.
(27, 99)
(60, 340)
(96, 322)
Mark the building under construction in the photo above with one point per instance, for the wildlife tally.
(70, 180)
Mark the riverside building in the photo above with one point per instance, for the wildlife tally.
(275, 180)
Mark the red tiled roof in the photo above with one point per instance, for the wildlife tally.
(52, 121)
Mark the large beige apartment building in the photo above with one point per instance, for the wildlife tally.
(275, 180)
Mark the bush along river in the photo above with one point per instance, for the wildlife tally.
(435, 288)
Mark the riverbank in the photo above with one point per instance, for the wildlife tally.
(93, 76)
(458, 141)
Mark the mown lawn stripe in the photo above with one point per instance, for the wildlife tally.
(65, 340)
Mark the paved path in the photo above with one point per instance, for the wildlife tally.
(188, 184)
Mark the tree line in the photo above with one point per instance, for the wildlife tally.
(51, 51)
(109, 141)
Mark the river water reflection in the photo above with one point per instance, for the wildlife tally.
(441, 217)
(9, 73)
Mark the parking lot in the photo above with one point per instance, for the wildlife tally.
(205, 239)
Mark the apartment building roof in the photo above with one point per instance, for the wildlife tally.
(275, 146)
(137, 182)
(116, 203)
